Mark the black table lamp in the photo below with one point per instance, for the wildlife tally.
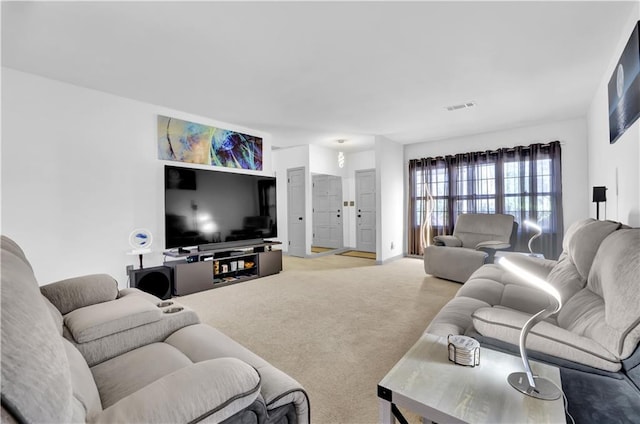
(599, 195)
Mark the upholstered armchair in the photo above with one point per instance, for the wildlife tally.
(474, 242)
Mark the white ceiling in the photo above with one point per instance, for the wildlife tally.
(323, 71)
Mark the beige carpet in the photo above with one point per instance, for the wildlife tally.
(336, 324)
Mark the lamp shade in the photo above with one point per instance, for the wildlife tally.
(599, 194)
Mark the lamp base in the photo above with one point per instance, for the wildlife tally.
(545, 389)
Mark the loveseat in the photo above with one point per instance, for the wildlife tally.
(80, 350)
(474, 242)
(594, 338)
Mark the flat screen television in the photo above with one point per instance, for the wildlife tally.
(204, 207)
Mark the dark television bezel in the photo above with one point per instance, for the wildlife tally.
(214, 245)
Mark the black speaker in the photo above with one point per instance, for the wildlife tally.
(157, 280)
(599, 194)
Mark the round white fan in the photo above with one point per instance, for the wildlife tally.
(140, 240)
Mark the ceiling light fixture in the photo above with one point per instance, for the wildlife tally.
(341, 141)
(461, 106)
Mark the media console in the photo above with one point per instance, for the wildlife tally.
(197, 270)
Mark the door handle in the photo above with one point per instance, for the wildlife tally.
(338, 216)
(359, 216)
(299, 218)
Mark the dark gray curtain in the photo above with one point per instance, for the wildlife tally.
(523, 181)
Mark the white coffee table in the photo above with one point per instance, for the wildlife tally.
(427, 383)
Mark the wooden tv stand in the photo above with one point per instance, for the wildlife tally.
(199, 270)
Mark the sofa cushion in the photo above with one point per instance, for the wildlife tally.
(55, 314)
(489, 271)
(84, 387)
(452, 263)
(105, 348)
(584, 241)
(36, 382)
(78, 292)
(546, 337)
(103, 319)
(124, 374)
(566, 278)
(485, 289)
(455, 317)
(496, 286)
(615, 276)
(476, 228)
(523, 298)
(277, 387)
(209, 391)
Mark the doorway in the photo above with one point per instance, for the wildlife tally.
(328, 214)
(366, 210)
(296, 226)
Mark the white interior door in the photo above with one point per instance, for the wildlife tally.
(327, 211)
(366, 210)
(296, 212)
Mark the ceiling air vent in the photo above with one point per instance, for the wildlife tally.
(461, 106)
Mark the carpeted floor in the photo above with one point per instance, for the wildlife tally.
(336, 324)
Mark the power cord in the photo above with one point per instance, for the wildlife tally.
(566, 402)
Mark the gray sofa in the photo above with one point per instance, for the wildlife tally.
(594, 338)
(81, 351)
(475, 239)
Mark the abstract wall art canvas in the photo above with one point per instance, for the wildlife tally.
(185, 141)
(624, 88)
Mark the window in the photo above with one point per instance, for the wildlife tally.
(523, 181)
(476, 189)
(520, 188)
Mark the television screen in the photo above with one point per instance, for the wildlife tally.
(204, 206)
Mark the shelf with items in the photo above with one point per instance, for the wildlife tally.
(245, 264)
(195, 271)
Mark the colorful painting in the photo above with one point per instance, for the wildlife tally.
(185, 141)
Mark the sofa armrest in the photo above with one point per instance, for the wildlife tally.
(212, 390)
(133, 291)
(492, 244)
(78, 292)
(449, 241)
(107, 318)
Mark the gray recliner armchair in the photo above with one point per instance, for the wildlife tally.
(475, 239)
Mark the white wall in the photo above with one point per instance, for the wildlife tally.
(622, 157)
(572, 135)
(80, 171)
(390, 218)
(324, 161)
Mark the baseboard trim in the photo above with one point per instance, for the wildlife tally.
(391, 259)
